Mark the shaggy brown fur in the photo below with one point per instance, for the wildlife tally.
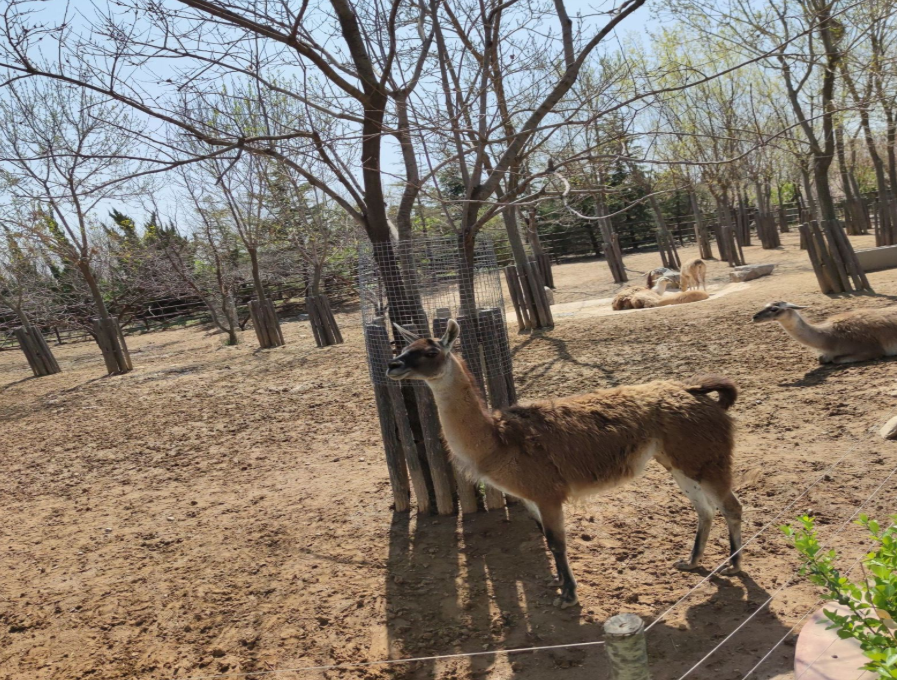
(549, 452)
(860, 335)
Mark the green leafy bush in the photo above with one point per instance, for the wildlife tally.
(872, 598)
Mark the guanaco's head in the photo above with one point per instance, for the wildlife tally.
(776, 311)
(661, 286)
(423, 358)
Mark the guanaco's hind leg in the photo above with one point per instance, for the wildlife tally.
(553, 525)
(730, 506)
(703, 506)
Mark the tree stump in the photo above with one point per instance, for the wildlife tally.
(265, 323)
(36, 350)
(112, 345)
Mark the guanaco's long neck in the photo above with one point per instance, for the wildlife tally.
(468, 428)
(802, 331)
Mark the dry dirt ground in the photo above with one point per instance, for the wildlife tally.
(222, 510)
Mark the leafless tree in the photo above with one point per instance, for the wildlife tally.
(63, 149)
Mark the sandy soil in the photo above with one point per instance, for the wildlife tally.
(223, 510)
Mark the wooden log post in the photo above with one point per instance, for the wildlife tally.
(825, 257)
(402, 459)
(529, 299)
(627, 651)
(467, 491)
(471, 342)
(265, 322)
(111, 342)
(734, 255)
(844, 254)
(323, 323)
(822, 278)
(441, 472)
(720, 241)
(826, 231)
(618, 258)
(521, 312)
(669, 255)
(36, 350)
(543, 263)
(612, 251)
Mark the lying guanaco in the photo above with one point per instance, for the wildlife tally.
(860, 335)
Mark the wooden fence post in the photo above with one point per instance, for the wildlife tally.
(627, 651)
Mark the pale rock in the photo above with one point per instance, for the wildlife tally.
(749, 272)
(889, 430)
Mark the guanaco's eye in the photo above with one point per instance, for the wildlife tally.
(432, 353)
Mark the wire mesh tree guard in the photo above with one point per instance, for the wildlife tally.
(420, 285)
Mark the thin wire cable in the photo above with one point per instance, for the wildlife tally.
(787, 583)
(392, 662)
(801, 620)
(745, 544)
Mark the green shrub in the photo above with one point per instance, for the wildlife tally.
(874, 592)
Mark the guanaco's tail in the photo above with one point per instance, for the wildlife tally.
(727, 390)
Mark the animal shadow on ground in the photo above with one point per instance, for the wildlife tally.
(482, 583)
(823, 372)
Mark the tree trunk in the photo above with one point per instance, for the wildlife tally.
(533, 290)
(701, 236)
(90, 280)
(264, 315)
(823, 191)
(808, 194)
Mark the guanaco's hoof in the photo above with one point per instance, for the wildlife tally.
(682, 565)
(563, 603)
(731, 570)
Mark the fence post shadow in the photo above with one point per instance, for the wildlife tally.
(479, 583)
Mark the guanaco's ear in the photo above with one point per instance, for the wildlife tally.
(788, 305)
(405, 333)
(452, 331)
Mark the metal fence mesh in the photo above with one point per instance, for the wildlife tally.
(420, 285)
